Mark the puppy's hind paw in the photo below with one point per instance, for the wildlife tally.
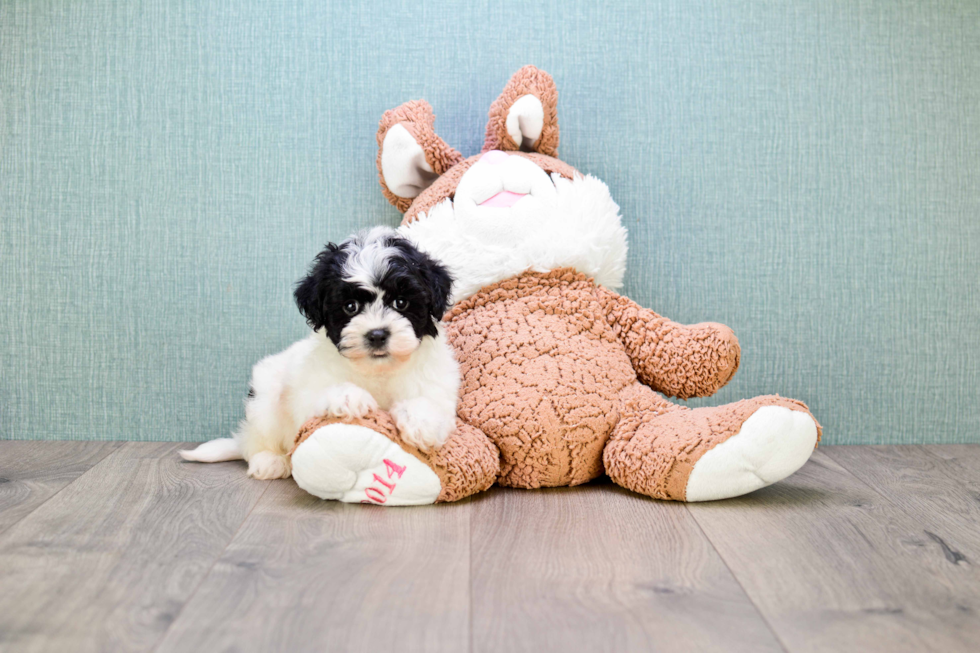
(266, 465)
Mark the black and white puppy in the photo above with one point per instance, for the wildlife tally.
(374, 303)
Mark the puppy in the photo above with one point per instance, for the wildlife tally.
(374, 303)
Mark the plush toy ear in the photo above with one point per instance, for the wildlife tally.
(410, 155)
(525, 116)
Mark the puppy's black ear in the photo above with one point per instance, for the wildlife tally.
(308, 301)
(310, 292)
(440, 285)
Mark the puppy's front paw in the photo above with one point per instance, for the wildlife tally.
(266, 465)
(422, 423)
(347, 401)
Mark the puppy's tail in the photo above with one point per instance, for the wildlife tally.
(215, 451)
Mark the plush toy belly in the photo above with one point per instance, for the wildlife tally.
(541, 376)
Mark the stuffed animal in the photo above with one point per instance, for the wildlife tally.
(563, 379)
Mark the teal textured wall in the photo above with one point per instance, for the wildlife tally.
(806, 172)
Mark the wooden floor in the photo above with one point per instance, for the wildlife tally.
(123, 547)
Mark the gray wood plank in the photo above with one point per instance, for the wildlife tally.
(597, 568)
(31, 472)
(938, 485)
(311, 575)
(918, 470)
(107, 563)
(833, 566)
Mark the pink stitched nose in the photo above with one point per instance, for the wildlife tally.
(493, 157)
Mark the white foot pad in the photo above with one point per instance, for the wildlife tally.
(773, 443)
(355, 464)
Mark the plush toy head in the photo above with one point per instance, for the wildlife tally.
(411, 157)
(514, 206)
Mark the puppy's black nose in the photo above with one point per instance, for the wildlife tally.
(376, 338)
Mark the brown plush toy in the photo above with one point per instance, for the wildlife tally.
(562, 378)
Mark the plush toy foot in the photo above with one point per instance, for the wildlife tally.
(356, 464)
(712, 453)
(771, 444)
(366, 461)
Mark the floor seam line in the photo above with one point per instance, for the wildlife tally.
(933, 523)
(758, 610)
(962, 480)
(865, 483)
(207, 573)
(62, 489)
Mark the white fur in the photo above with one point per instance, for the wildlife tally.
(401, 343)
(418, 418)
(416, 380)
(268, 464)
(370, 258)
(345, 400)
(577, 226)
(312, 378)
(214, 451)
(773, 443)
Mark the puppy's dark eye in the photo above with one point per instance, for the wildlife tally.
(352, 307)
(400, 304)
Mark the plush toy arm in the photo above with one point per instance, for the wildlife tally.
(675, 359)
